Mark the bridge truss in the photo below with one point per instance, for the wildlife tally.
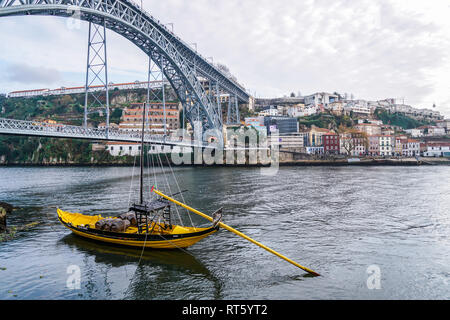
(181, 65)
(39, 129)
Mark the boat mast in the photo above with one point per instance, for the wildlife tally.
(141, 185)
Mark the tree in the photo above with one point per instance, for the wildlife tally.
(65, 100)
(351, 139)
(292, 95)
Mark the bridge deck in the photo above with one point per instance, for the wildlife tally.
(39, 129)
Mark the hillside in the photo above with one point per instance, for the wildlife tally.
(332, 121)
(67, 109)
(397, 119)
(327, 121)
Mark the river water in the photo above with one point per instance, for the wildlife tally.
(371, 232)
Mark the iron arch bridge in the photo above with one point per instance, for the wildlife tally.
(180, 64)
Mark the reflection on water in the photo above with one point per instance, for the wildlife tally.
(164, 262)
(337, 221)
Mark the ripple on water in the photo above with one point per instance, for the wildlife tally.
(336, 221)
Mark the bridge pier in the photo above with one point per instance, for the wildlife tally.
(182, 65)
(97, 70)
(233, 110)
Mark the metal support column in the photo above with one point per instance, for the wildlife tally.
(154, 99)
(236, 103)
(147, 101)
(97, 73)
(219, 106)
(163, 96)
(229, 120)
(233, 116)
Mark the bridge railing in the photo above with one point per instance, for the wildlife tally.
(35, 128)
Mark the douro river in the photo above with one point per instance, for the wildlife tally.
(371, 232)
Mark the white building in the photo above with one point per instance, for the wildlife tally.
(372, 121)
(291, 141)
(76, 90)
(321, 98)
(296, 111)
(386, 145)
(269, 112)
(123, 149)
(314, 150)
(117, 149)
(444, 124)
(415, 133)
(302, 111)
(411, 148)
(434, 131)
(159, 149)
(359, 107)
(437, 150)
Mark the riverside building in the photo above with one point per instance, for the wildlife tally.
(162, 119)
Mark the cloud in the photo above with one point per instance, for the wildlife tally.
(26, 74)
(373, 49)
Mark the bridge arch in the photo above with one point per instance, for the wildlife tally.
(176, 59)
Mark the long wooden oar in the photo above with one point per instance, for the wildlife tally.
(223, 225)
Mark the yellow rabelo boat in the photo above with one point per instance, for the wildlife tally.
(151, 234)
(151, 224)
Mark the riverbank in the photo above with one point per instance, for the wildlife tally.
(369, 162)
(304, 162)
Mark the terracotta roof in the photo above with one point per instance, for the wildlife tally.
(320, 129)
(121, 143)
(439, 144)
(94, 86)
(153, 116)
(34, 90)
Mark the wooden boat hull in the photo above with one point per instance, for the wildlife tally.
(178, 237)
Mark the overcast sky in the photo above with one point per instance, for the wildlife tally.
(371, 49)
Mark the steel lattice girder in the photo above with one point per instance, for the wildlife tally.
(127, 19)
(33, 128)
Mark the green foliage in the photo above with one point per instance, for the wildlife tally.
(244, 112)
(326, 120)
(116, 115)
(31, 150)
(400, 120)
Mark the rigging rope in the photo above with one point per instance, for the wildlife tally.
(131, 185)
(170, 191)
(179, 190)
